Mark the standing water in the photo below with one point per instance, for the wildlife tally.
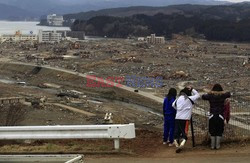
(10, 27)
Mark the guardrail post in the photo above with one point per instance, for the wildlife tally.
(78, 159)
(117, 144)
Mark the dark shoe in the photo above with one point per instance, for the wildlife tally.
(178, 150)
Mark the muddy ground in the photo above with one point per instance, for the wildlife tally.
(66, 99)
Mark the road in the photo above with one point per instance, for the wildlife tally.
(195, 159)
(72, 109)
(124, 87)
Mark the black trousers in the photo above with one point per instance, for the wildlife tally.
(181, 129)
(216, 125)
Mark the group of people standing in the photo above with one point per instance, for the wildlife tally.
(177, 113)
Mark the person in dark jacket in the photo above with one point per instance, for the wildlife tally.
(216, 98)
(169, 117)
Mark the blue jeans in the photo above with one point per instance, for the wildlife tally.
(168, 134)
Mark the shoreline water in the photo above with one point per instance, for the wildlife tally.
(10, 27)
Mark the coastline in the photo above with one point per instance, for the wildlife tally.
(10, 27)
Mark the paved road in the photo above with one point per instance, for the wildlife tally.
(205, 159)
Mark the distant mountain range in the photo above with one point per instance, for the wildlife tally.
(222, 22)
(8, 12)
(129, 11)
(229, 12)
(28, 9)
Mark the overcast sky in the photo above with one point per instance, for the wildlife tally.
(236, 0)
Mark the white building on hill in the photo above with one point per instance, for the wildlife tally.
(55, 20)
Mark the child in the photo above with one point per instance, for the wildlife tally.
(169, 117)
(183, 106)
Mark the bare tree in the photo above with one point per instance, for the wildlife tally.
(12, 114)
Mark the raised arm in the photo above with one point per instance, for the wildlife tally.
(205, 97)
(227, 95)
(195, 95)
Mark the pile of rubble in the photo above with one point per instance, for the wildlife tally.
(127, 59)
(179, 75)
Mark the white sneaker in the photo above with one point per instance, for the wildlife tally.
(183, 143)
(171, 144)
(164, 143)
(176, 143)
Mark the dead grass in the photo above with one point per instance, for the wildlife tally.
(59, 146)
(98, 64)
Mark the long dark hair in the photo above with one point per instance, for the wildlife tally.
(217, 87)
(186, 91)
(172, 93)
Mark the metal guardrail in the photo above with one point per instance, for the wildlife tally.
(42, 158)
(116, 132)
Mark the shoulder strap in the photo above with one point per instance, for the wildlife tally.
(176, 102)
(191, 101)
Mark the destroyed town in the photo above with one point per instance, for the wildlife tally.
(70, 94)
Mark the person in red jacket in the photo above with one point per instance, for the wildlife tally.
(226, 111)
